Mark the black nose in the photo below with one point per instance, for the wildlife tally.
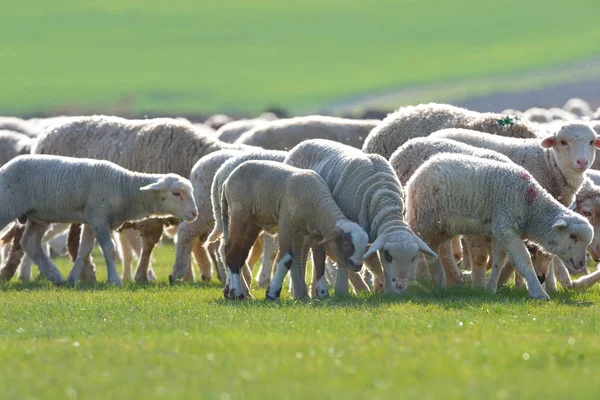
(542, 278)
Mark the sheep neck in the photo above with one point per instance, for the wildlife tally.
(385, 212)
(139, 203)
(323, 212)
(540, 217)
(568, 183)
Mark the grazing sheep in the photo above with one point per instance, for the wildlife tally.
(13, 144)
(558, 114)
(230, 132)
(367, 190)
(100, 194)
(208, 172)
(579, 107)
(418, 121)
(267, 194)
(160, 145)
(286, 133)
(18, 125)
(448, 196)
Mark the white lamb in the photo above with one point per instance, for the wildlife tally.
(100, 194)
(447, 196)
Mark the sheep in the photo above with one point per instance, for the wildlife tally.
(367, 190)
(158, 145)
(558, 114)
(202, 176)
(230, 132)
(421, 120)
(13, 144)
(449, 196)
(18, 125)
(579, 107)
(557, 162)
(266, 194)
(101, 194)
(217, 121)
(538, 115)
(286, 133)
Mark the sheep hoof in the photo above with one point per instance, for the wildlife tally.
(171, 279)
(240, 297)
(141, 278)
(263, 282)
(541, 296)
(127, 278)
(206, 278)
(226, 292)
(151, 276)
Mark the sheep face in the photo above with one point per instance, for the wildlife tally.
(176, 197)
(590, 209)
(397, 254)
(348, 242)
(575, 146)
(540, 260)
(569, 238)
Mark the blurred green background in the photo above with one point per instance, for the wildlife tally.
(140, 56)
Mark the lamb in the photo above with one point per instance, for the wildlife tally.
(158, 145)
(203, 173)
(230, 132)
(13, 144)
(18, 125)
(286, 133)
(447, 196)
(100, 194)
(266, 194)
(367, 190)
(558, 114)
(405, 161)
(217, 121)
(421, 120)
(579, 107)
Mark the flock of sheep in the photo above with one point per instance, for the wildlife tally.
(428, 189)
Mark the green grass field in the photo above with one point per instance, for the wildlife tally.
(187, 342)
(199, 56)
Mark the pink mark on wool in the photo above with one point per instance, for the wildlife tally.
(525, 176)
(531, 195)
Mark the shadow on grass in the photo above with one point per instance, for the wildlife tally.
(451, 298)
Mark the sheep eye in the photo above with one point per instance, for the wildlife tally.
(176, 194)
(387, 255)
(586, 213)
(573, 236)
(563, 142)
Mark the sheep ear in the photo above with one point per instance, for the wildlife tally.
(334, 234)
(559, 224)
(549, 142)
(425, 249)
(156, 186)
(377, 245)
(597, 143)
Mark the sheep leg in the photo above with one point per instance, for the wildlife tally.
(330, 271)
(301, 246)
(498, 260)
(319, 287)
(32, 243)
(213, 252)
(519, 281)
(520, 258)
(204, 264)
(372, 263)
(141, 272)
(256, 252)
(104, 239)
(268, 259)
(466, 259)
(126, 257)
(73, 241)
(15, 253)
(505, 274)
(457, 250)
(550, 282)
(341, 281)
(285, 258)
(236, 253)
(562, 274)
(436, 269)
(187, 240)
(24, 271)
(358, 283)
(453, 276)
(85, 247)
(479, 250)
